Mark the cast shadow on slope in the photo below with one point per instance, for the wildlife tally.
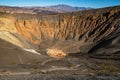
(11, 54)
(108, 48)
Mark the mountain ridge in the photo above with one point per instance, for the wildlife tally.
(68, 8)
(42, 10)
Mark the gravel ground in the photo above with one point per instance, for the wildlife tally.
(60, 77)
(63, 69)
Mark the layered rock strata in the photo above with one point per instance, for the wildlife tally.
(96, 32)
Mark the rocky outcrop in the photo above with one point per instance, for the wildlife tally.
(94, 31)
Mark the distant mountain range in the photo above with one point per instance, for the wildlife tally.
(67, 8)
(42, 10)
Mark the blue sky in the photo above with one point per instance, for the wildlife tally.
(80, 3)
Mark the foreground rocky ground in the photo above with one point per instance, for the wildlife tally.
(61, 77)
(72, 67)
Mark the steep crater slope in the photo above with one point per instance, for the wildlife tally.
(96, 32)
